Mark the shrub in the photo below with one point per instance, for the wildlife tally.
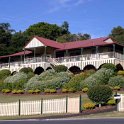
(6, 91)
(16, 81)
(87, 73)
(17, 91)
(116, 88)
(26, 70)
(37, 91)
(64, 90)
(109, 66)
(60, 68)
(52, 90)
(46, 90)
(48, 80)
(72, 90)
(74, 83)
(99, 94)
(111, 102)
(88, 106)
(30, 91)
(101, 77)
(85, 89)
(4, 73)
(116, 81)
(120, 73)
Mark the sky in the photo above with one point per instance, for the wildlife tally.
(95, 17)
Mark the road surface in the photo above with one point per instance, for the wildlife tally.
(62, 121)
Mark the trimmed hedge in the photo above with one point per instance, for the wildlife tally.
(109, 66)
(60, 68)
(4, 73)
(99, 94)
(26, 70)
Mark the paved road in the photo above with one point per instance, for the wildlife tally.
(79, 121)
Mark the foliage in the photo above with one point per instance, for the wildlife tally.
(99, 94)
(120, 73)
(48, 80)
(74, 83)
(85, 89)
(101, 77)
(72, 89)
(109, 66)
(60, 68)
(47, 91)
(116, 88)
(111, 102)
(26, 70)
(117, 33)
(16, 81)
(6, 90)
(64, 90)
(88, 106)
(116, 81)
(4, 73)
(73, 37)
(17, 91)
(53, 91)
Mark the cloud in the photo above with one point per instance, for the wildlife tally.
(67, 4)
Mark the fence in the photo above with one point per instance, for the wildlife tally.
(43, 106)
(120, 106)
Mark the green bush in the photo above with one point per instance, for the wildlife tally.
(111, 102)
(85, 90)
(30, 91)
(48, 80)
(64, 90)
(120, 73)
(46, 90)
(74, 83)
(116, 88)
(99, 94)
(88, 106)
(53, 91)
(116, 81)
(6, 91)
(101, 77)
(88, 73)
(16, 81)
(109, 66)
(4, 73)
(26, 70)
(60, 68)
(37, 91)
(72, 90)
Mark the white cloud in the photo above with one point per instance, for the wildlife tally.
(67, 4)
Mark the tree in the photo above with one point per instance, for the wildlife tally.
(73, 37)
(117, 33)
(50, 31)
(65, 28)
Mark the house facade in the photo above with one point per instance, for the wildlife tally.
(81, 55)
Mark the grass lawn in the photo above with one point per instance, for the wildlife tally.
(27, 97)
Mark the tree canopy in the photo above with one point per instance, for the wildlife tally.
(117, 33)
(11, 41)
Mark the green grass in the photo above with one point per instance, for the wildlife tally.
(27, 97)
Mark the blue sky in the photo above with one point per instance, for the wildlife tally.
(96, 17)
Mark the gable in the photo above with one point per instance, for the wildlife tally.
(108, 40)
(34, 43)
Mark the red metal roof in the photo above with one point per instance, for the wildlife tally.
(75, 44)
(86, 43)
(17, 54)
